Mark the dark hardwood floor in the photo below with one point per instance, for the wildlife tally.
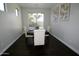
(24, 47)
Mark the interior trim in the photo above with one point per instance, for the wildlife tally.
(10, 44)
(69, 46)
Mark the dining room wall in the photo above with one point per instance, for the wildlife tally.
(67, 31)
(10, 26)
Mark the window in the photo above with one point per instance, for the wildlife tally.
(17, 12)
(36, 19)
(1, 6)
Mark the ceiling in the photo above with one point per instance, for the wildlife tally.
(37, 5)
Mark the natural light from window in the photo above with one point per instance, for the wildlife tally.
(1, 6)
(36, 19)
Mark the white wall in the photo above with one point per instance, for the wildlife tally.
(24, 12)
(10, 26)
(68, 32)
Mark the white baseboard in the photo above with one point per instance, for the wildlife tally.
(9, 45)
(69, 46)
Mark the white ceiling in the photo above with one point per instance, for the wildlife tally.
(37, 5)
